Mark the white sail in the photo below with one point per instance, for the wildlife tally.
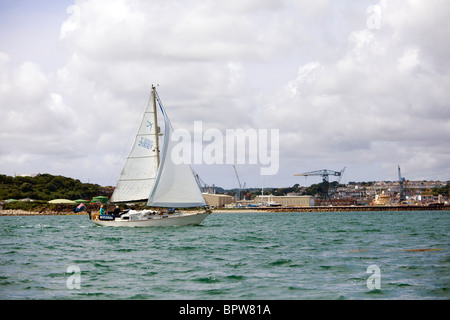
(175, 185)
(139, 172)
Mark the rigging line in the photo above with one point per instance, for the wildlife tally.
(160, 104)
(163, 110)
(166, 120)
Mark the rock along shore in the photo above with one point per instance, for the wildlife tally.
(259, 209)
(338, 209)
(36, 213)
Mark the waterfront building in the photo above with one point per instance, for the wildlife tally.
(382, 200)
(217, 200)
(286, 201)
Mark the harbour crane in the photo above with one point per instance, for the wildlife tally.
(325, 173)
(401, 181)
(202, 185)
(238, 194)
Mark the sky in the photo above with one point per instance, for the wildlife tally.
(363, 85)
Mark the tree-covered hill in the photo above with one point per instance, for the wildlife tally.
(47, 187)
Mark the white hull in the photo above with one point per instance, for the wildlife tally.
(182, 219)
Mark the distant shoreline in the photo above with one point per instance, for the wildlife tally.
(258, 210)
(44, 213)
(337, 209)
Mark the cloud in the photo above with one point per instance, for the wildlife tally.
(384, 99)
(34, 119)
(341, 93)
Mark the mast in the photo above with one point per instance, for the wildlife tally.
(156, 125)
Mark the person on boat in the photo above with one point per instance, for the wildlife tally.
(102, 211)
(116, 210)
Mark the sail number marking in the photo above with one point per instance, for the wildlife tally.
(145, 143)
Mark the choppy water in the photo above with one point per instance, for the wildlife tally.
(230, 256)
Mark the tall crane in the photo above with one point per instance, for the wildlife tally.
(202, 185)
(238, 195)
(325, 173)
(401, 181)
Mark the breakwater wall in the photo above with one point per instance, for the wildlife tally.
(350, 208)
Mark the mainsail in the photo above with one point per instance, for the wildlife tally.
(139, 172)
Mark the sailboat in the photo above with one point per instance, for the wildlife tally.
(150, 175)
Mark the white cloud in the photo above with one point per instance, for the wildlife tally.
(409, 60)
(382, 91)
(341, 94)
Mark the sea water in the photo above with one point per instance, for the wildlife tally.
(244, 256)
